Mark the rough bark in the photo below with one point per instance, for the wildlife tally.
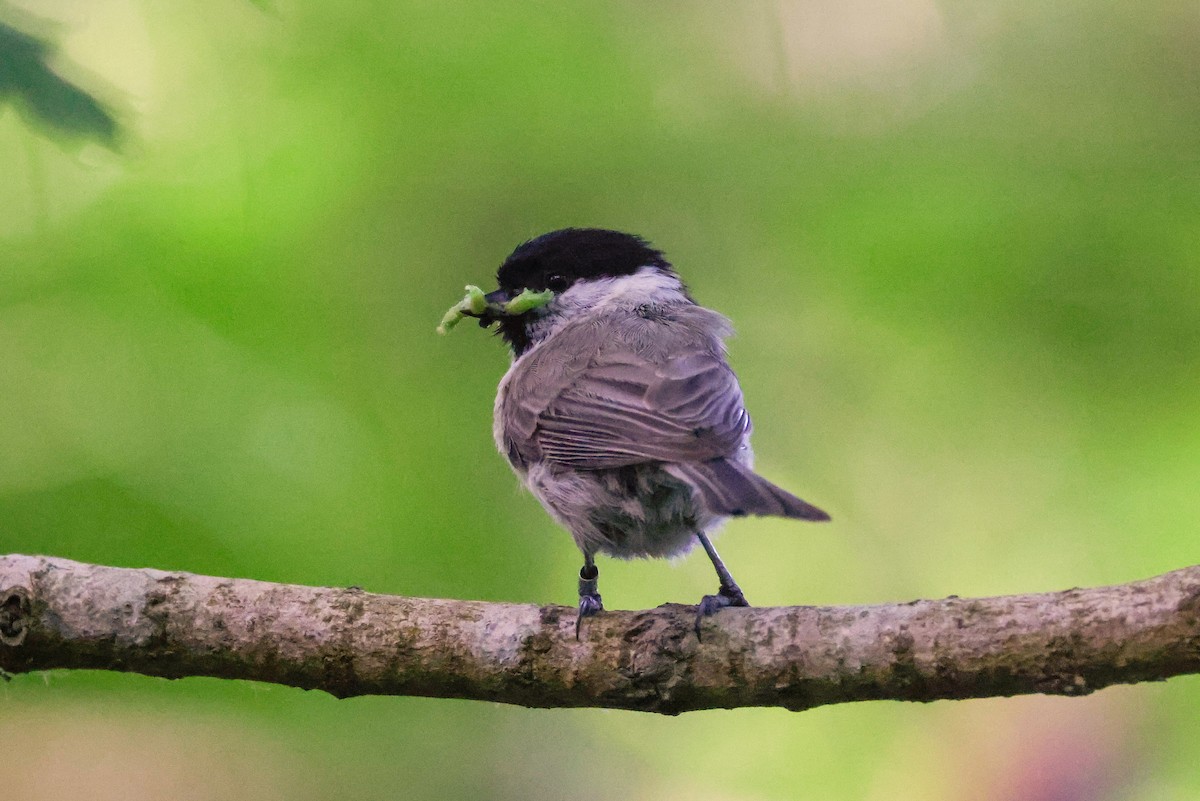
(55, 613)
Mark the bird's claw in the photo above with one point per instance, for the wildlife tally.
(589, 605)
(711, 604)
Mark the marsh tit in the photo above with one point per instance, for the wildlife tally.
(620, 412)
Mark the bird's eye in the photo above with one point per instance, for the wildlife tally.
(556, 282)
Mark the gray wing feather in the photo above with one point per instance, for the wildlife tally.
(590, 403)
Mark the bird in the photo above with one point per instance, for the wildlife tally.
(619, 411)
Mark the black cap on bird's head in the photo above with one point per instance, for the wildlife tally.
(560, 258)
(557, 260)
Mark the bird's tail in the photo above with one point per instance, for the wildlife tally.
(729, 488)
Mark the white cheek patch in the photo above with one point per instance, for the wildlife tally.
(649, 285)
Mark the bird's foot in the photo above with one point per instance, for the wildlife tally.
(589, 596)
(711, 604)
(588, 606)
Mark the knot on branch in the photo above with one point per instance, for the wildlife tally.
(15, 611)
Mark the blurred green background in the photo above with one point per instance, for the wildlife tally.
(959, 242)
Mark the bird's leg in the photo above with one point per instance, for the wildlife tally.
(729, 593)
(589, 595)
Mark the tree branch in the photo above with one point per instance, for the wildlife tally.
(55, 613)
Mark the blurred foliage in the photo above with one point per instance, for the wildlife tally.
(959, 242)
(50, 102)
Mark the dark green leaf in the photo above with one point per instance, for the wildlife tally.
(49, 101)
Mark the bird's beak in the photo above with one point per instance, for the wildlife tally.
(495, 305)
(498, 298)
(502, 304)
